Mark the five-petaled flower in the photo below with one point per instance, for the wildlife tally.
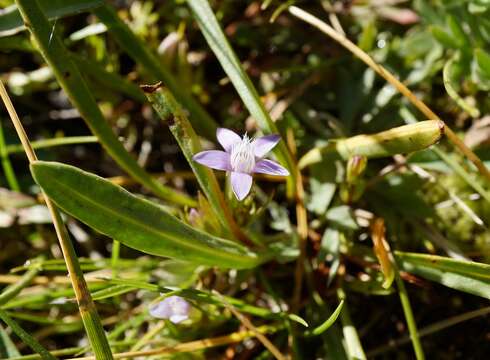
(242, 157)
(173, 308)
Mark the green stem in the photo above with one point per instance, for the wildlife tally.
(353, 344)
(407, 310)
(6, 164)
(73, 83)
(173, 115)
(47, 143)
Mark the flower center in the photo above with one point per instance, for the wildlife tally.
(242, 156)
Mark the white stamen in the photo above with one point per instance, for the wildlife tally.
(242, 156)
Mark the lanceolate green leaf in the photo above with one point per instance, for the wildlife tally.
(71, 80)
(467, 276)
(143, 56)
(231, 65)
(133, 221)
(11, 21)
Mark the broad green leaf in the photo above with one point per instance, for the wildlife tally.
(231, 65)
(71, 80)
(135, 222)
(11, 21)
(467, 276)
(143, 56)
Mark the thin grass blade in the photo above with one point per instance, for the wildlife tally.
(231, 65)
(71, 80)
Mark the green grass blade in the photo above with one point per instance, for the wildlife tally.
(467, 276)
(327, 323)
(7, 346)
(11, 291)
(25, 337)
(231, 65)
(109, 80)
(6, 164)
(135, 222)
(167, 108)
(71, 80)
(11, 20)
(47, 143)
(140, 53)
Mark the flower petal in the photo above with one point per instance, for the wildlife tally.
(241, 184)
(215, 159)
(161, 310)
(227, 138)
(264, 144)
(270, 167)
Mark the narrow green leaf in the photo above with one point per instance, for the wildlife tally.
(71, 80)
(449, 75)
(467, 276)
(11, 291)
(483, 61)
(111, 291)
(231, 65)
(135, 222)
(158, 71)
(7, 346)
(208, 298)
(11, 20)
(25, 337)
(443, 37)
(110, 80)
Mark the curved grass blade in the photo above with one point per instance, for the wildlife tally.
(71, 80)
(135, 222)
(231, 65)
(327, 323)
(467, 276)
(140, 53)
(11, 20)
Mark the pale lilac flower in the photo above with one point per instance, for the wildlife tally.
(242, 157)
(173, 308)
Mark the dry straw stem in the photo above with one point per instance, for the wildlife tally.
(349, 45)
(86, 306)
